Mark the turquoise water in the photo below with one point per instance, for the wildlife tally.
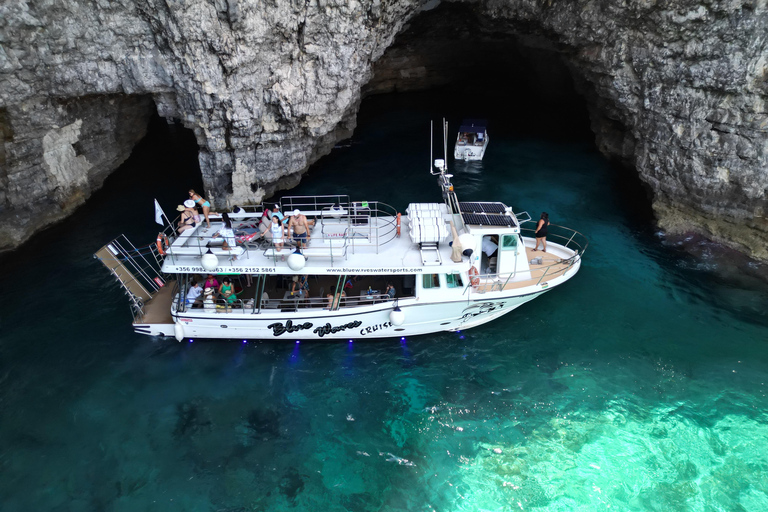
(638, 385)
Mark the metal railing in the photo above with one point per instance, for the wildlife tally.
(139, 276)
(566, 237)
(252, 306)
(344, 224)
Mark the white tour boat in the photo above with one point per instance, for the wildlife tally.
(453, 265)
(471, 140)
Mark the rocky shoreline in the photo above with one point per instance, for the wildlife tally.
(676, 90)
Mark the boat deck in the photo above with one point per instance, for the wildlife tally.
(335, 246)
(158, 309)
(553, 265)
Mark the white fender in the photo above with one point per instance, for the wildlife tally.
(296, 260)
(209, 261)
(397, 317)
(178, 331)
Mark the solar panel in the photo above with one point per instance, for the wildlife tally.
(482, 207)
(482, 219)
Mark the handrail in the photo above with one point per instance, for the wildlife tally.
(356, 215)
(576, 239)
(268, 306)
(573, 240)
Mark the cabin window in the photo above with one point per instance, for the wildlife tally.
(430, 281)
(454, 281)
(508, 242)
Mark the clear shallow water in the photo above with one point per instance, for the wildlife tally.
(639, 385)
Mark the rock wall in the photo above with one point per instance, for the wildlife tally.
(676, 89)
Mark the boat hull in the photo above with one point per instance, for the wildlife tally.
(358, 323)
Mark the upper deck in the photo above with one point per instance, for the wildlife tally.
(347, 237)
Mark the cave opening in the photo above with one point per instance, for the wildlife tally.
(521, 83)
(516, 77)
(163, 165)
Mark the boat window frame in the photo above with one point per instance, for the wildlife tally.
(451, 282)
(432, 285)
(508, 236)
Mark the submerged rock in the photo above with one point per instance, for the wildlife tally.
(676, 90)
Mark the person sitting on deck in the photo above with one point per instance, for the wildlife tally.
(296, 288)
(334, 298)
(227, 292)
(227, 232)
(194, 293)
(187, 218)
(226, 286)
(230, 297)
(211, 282)
(276, 213)
(391, 291)
(208, 302)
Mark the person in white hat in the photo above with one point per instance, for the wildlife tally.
(188, 219)
(208, 302)
(300, 228)
(190, 205)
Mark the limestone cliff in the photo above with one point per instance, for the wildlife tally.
(676, 89)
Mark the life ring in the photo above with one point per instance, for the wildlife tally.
(398, 223)
(474, 280)
(162, 244)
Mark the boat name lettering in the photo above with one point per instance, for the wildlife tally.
(373, 328)
(279, 328)
(327, 329)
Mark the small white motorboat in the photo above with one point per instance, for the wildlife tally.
(472, 140)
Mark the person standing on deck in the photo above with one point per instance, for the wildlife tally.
(201, 202)
(278, 233)
(541, 232)
(300, 229)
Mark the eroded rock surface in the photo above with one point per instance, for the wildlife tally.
(676, 89)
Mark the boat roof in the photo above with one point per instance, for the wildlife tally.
(473, 125)
(348, 241)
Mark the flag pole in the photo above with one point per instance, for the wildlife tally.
(160, 214)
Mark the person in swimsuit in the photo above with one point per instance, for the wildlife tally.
(201, 202)
(187, 218)
(278, 233)
(541, 232)
(300, 229)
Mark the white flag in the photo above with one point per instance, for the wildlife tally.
(159, 214)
